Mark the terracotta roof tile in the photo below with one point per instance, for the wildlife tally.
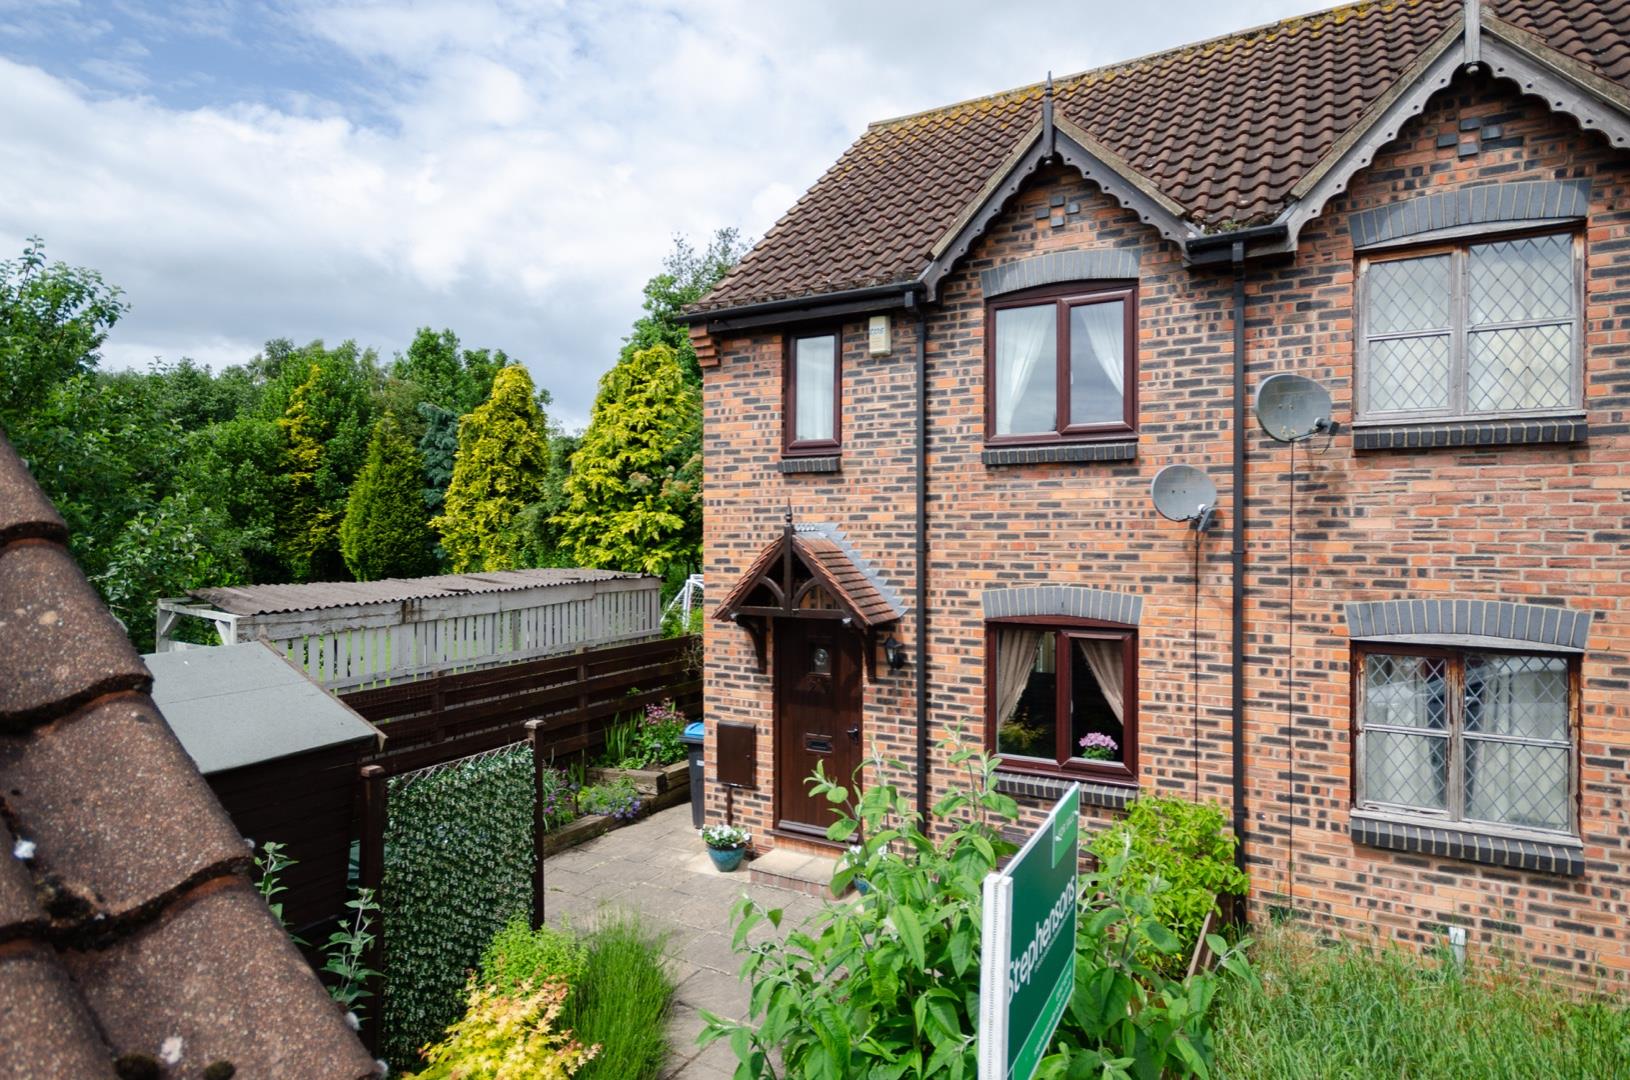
(1224, 128)
(62, 646)
(80, 788)
(134, 883)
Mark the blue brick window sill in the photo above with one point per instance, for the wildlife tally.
(1051, 788)
(1061, 453)
(1471, 434)
(810, 465)
(1450, 842)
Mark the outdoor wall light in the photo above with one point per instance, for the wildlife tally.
(895, 653)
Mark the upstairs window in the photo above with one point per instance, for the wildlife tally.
(1472, 330)
(1063, 700)
(814, 391)
(1477, 737)
(1061, 366)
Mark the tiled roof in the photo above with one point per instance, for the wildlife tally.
(128, 926)
(853, 584)
(1224, 128)
(314, 595)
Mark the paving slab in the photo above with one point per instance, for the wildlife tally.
(659, 868)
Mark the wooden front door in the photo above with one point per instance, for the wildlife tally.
(817, 717)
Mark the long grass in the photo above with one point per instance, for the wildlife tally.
(621, 1001)
(1347, 1012)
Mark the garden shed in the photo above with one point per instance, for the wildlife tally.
(351, 634)
(280, 753)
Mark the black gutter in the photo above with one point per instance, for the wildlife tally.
(1218, 247)
(922, 567)
(900, 294)
(1237, 663)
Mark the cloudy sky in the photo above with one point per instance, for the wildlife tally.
(513, 169)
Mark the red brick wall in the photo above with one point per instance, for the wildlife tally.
(1518, 524)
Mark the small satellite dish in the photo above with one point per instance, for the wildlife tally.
(1292, 407)
(1183, 493)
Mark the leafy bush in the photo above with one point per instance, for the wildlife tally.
(621, 1001)
(520, 954)
(888, 986)
(1354, 1011)
(1181, 853)
(506, 1037)
(646, 741)
(616, 798)
(458, 866)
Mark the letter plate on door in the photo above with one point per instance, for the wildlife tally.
(818, 744)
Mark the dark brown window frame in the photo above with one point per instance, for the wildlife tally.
(1063, 298)
(1455, 656)
(1073, 768)
(791, 445)
(1458, 249)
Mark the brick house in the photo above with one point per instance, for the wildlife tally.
(936, 394)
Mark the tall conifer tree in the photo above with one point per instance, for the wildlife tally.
(386, 531)
(499, 469)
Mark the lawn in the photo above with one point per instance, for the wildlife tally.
(1351, 1012)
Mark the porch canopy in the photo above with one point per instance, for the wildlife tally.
(811, 572)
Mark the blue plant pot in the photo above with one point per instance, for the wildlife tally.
(727, 860)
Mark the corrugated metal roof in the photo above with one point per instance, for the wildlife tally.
(237, 705)
(312, 596)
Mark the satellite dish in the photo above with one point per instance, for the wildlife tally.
(1183, 493)
(1292, 407)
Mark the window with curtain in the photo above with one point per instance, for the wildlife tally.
(1476, 737)
(813, 391)
(1063, 700)
(1060, 365)
(1471, 330)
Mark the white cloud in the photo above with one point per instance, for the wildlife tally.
(512, 170)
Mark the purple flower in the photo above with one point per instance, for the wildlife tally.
(1096, 746)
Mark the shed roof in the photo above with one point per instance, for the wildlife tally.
(128, 923)
(272, 599)
(237, 705)
(1224, 130)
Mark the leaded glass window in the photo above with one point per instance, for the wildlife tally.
(1467, 736)
(1478, 329)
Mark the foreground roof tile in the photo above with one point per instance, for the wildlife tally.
(214, 979)
(45, 1032)
(24, 509)
(62, 646)
(119, 817)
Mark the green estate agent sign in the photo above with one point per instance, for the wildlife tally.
(1027, 954)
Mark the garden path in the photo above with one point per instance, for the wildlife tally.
(658, 868)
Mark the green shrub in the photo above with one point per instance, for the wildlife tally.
(386, 529)
(520, 954)
(559, 799)
(1181, 853)
(458, 866)
(888, 986)
(616, 797)
(621, 1001)
(503, 1036)
(1355, 1011)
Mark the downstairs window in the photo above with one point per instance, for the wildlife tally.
(1063, 700)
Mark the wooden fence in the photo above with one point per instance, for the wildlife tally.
(562, 705)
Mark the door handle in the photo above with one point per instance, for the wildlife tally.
(854, 734)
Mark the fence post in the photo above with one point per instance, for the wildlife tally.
(538, 831)
(371, 875)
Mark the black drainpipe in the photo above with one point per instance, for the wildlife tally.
(1237, 667)
(922, 562)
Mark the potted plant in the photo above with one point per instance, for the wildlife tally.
(726, 845)
(1098, 747)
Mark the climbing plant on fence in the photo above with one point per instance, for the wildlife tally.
(458, 865)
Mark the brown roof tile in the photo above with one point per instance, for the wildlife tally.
(1224, 128)
(24, 509)
(130, 921)
(216, 973)
(62, 646)
(82, 787)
